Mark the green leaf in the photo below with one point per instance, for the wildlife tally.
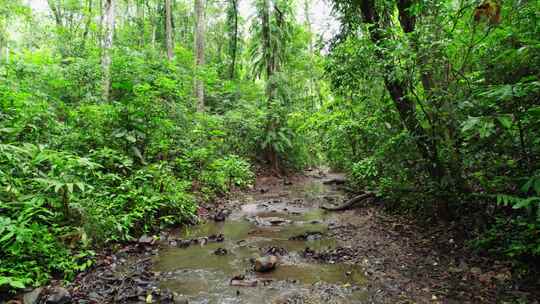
(70, 187)
(506, 121)
(14, 283)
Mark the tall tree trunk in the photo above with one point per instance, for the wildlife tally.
(57, 13)
(405, 105)
(168, 29)
(87, 24)
(270, 61)
(152, 15)
(140, 19)
(311, 80)
(267, 48)
(108, 33)
(199, 52)
(233, 39)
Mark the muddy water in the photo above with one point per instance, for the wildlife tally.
(264, 221)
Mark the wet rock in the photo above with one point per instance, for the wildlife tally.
(221, 251)
(271, 221)
(202, 241)
(58, 295)
(146, 240)
(217, 238)
(275, 251)
(221, 215)
(266, 263)
(33, 296)
(178, 299)
(307, 236)
(184, 243)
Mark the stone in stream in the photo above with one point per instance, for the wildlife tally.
(221, 215)
(266, 263)
(221, 251)
(58, 295)
(270, 221)
(179, 299)
(32, 297)
(307, 236)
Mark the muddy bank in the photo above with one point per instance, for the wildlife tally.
(354, 256)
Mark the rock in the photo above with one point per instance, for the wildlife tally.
(271, 221)
(178, 299)
(275, 251)
(221, 251)
(243, 283)
(58, 295)
(147, 240)
(32, 297)
(307, 236)
(184, 243)
(218, 238)
(266, 264)
(220, 216)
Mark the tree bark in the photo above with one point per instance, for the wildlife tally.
(270, 55)
(87, 24)
(405, 106)
(140, 22)
(233, 42)
(199, 52)
(57, 13)
(350, 203)
(106, 60)
(168, 29)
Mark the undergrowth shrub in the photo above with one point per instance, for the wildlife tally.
(76, 174)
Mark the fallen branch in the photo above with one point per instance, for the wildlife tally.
(350, 203)
(337, 181)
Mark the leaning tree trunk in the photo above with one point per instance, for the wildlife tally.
(405, 105)
(168, 29)
(199, 52)
(108, 33)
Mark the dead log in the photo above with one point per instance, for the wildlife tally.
(336, 181)
(350, 203)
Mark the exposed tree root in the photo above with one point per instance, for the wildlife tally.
(350, 203)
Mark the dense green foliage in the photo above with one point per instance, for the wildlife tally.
(434, 105)
(79, 172)
(439, 111)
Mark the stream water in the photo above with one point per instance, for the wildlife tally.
(273, 219)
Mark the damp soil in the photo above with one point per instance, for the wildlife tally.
(362, 255)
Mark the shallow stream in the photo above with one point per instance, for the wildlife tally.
(264, 221)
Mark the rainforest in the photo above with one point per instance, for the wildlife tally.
(269, 151)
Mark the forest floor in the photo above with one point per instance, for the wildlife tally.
(362, 255)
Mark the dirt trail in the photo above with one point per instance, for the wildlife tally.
(352, 256)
